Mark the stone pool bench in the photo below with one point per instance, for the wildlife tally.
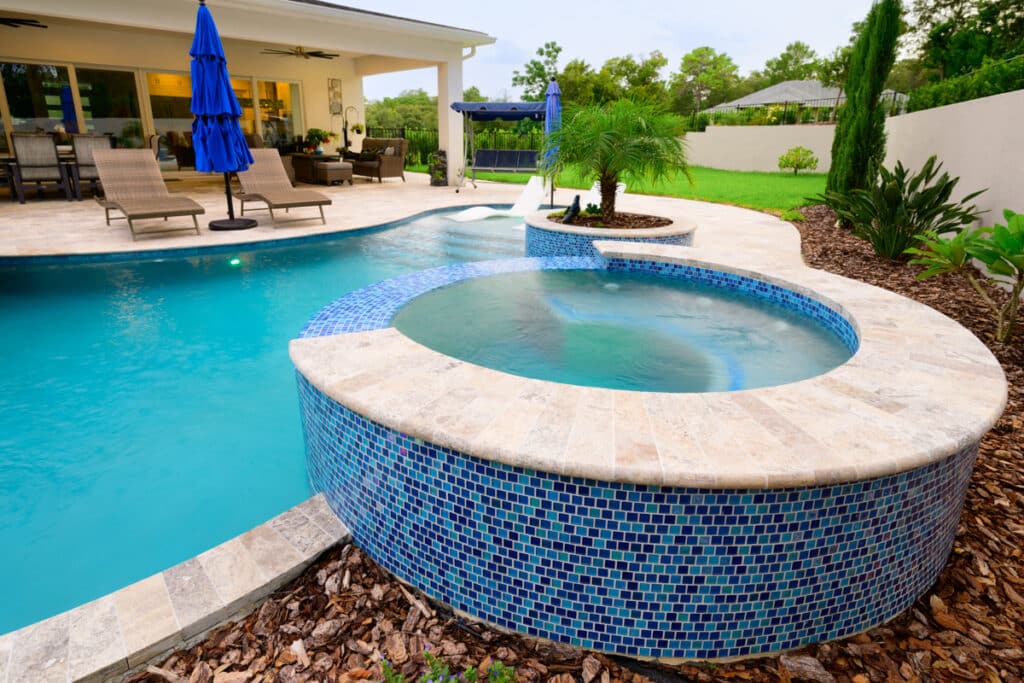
(545, 237)
(694, 526)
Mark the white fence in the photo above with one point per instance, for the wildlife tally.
(982, 141)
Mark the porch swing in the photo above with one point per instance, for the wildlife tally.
(497, 160)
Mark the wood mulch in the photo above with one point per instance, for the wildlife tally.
(622, 221)
(343, 615)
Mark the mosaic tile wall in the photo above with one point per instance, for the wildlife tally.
(639, 570)
(541, 242)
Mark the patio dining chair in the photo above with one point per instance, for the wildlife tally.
(267, 181)
(132, 184)
(36, 161)
(84, 168)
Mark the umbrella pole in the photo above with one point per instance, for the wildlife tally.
(231, 223)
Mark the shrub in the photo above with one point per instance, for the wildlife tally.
(993, 78)
(438, 671)
(798, 159)
(1000, 248)
(793, 216)
(859, 143)
(900, 207)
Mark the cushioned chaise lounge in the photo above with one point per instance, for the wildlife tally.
(266, 181)
(132, 184)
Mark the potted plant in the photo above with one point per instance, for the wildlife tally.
(316, 137)
(357, 128)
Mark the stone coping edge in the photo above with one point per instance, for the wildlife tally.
(130, 628)
(270, 241)
(539, 219)
(919, 388)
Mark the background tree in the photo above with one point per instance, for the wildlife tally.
(833, 71)
(577, 82)
(798, 62)
(957, 36)
(859, 143)
(410, 109)
(623, 139)
(638, 79)
(705, 78)
(536, 74)
(472, 94)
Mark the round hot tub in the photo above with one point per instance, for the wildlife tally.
(676, 520)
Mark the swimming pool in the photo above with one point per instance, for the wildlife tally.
(147, 408)
(621, 330)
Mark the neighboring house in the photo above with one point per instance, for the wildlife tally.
(808, 93)
(780, 93)
(121, 67)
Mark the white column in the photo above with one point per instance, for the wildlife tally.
(449, 123)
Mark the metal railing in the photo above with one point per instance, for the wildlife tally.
(423, 141)
(785, 113)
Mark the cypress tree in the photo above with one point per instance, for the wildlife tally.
(859, 143)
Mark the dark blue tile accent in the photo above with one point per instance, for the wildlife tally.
(641, 570)
(541, 242)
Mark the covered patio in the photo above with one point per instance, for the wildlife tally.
(120, 68)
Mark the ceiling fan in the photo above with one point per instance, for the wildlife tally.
(11, 22)
(299, 52)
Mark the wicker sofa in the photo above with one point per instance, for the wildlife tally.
(373, 162)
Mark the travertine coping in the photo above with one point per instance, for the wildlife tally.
(678, 226)
(919, 389)
(130, 627)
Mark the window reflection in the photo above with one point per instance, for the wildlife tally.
(110, 105)
(39, 97)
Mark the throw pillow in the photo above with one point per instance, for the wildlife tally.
(389, 151)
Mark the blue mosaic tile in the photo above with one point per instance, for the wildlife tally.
(541, 242)
(641, 570)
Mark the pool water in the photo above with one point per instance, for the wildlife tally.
(148, 409)
(621, 331)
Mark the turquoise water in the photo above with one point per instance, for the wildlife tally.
(621, 331)
(148, 410)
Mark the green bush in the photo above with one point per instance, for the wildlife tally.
(798, 159)
(993, 78)
(1000, 248)
(438, 672)
(900, 207)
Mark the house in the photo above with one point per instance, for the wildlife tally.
(121, 67)
(813, 93)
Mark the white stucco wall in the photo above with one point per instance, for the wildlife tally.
(757, 148)
(981, 141)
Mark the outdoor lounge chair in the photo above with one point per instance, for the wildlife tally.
(84, 169)
(528, 202)
(37, 162)
(132, 184)
(267, 181)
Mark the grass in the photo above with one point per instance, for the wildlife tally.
(772, 192)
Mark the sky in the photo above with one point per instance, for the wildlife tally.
(749, 31)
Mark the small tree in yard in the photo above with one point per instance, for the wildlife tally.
(618, 141)
(798, 159)
(1000, 248)
(858, 147)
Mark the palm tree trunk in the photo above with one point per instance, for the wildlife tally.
(609, 184)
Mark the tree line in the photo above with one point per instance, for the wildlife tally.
(940, 38)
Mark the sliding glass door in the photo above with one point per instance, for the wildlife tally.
(110, 105)
(39, 98)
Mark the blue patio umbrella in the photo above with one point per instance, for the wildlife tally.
(552, 122)
(217, 138)
(67, 110)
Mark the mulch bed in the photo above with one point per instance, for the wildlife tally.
(623, 221)
(336, 621)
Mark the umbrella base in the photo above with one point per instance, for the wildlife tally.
(233, 224)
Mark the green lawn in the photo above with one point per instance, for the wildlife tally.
(774, 192)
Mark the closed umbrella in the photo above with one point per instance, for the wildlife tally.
(217, 138)
(67, 110)
(552, 122)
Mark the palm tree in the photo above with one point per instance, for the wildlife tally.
(626, 139)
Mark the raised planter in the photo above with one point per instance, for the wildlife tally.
(545, 237)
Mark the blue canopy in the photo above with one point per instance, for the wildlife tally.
(501, 111)
(217, 138)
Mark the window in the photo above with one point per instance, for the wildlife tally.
(280, 112)
(170, 97)
(110, 105)
(39, 98)
(243, 91)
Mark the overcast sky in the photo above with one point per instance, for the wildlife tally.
(750, 31)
